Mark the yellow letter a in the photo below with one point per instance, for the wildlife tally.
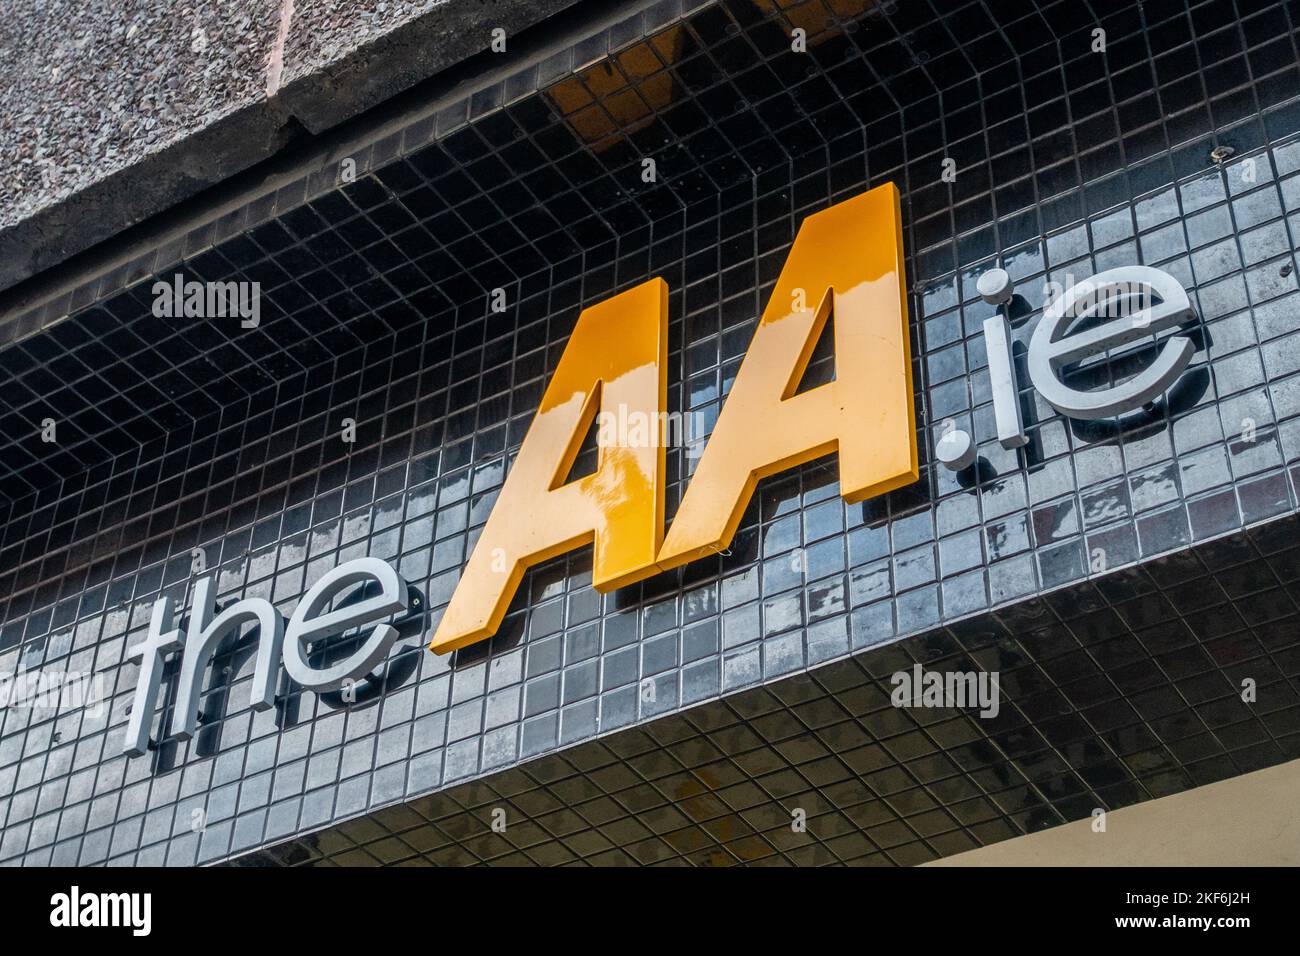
(849, 259)
(615, 363)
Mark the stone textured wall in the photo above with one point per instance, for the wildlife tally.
(118, 110)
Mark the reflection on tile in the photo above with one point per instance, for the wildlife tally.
(1106, 702)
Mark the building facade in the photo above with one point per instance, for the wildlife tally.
(1132, 581)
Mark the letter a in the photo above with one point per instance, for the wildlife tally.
(617, 362)
(849, 261)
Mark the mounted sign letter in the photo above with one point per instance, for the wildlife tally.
(203, 636)
(311, 622)
(616, 361)
(847, 261)
(1051, 348)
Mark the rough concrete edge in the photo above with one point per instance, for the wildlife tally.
(386, 67)
(110, 206)
(393, 63)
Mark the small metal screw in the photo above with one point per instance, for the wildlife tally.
(1221, 154)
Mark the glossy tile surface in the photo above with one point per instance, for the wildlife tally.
(1111, 696)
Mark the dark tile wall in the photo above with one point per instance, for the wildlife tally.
(1114, 690)
(184, 434)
